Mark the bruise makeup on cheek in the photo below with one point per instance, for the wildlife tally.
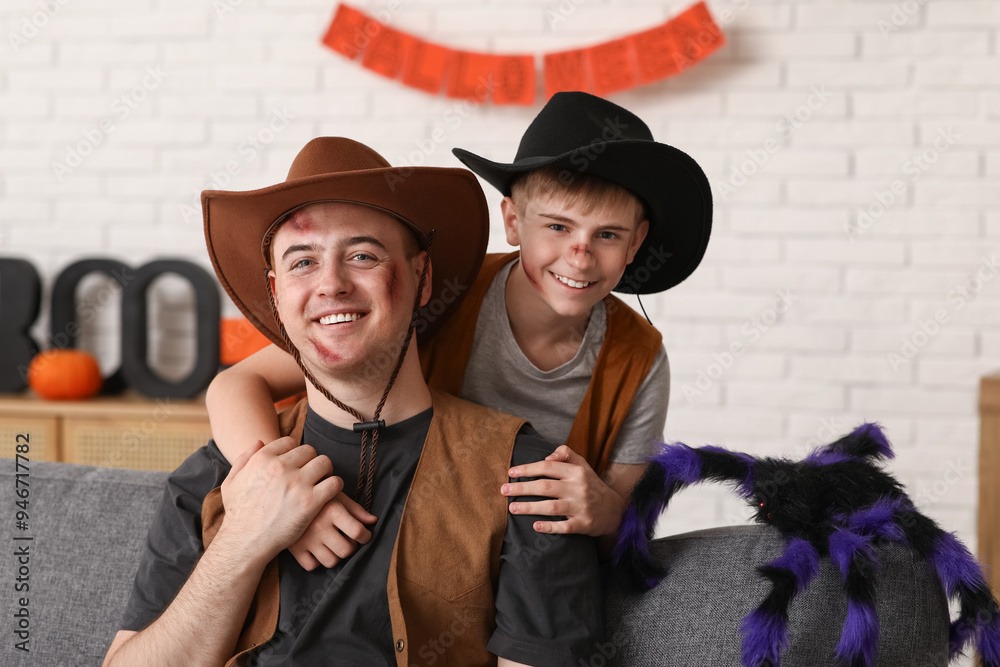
(326, 354)
(393, 283)
(527, 274)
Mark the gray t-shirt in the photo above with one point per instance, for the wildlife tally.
(500, 376)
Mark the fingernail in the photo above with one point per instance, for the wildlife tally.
(512, 473)
(513, 508)
(505, 489)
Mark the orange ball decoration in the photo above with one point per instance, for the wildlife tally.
(61, 375)
(238, 339)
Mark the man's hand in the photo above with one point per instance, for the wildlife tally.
(590, 506)
(334, 534)
(272, 493)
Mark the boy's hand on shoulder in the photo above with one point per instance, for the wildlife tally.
(574, 490)
(334, 534)
(272, 493)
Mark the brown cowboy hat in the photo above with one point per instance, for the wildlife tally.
(447, 201)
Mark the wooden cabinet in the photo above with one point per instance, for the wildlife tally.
(989, 478)
(120, 432)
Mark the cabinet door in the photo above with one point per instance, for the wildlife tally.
(989, 479)
(140, 445)
(42, 432)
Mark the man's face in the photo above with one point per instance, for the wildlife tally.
(572, 259)
(344, 280)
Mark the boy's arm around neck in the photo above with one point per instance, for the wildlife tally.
(240, 399)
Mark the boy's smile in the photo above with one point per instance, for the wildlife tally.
(574, 284)
(570, 259)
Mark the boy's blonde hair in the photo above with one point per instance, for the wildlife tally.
(578, 189)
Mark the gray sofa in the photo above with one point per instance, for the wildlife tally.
(88, 525)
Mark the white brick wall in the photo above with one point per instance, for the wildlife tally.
(891, 82)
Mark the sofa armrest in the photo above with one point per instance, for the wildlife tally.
(693, 616)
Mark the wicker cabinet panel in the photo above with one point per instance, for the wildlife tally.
(132, 444)
(43, 434)
(121, 432)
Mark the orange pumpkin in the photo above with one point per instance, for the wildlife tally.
(238, 340)
(64, 375)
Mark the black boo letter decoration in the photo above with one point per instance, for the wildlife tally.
(64, 329)
(137, 372)
(20, 296)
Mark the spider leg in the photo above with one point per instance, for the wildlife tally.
(853, 555)
(865, 441)
(962, 578)
(674, 468)
(765, 629)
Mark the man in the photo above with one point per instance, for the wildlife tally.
(331, 265)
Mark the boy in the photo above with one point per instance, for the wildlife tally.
(595, 205)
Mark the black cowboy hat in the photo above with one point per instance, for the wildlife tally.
(585, 133)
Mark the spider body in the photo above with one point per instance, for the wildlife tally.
(839, 503)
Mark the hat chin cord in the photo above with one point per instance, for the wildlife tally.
(366, 474)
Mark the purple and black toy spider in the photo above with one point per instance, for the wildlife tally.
(837, 502)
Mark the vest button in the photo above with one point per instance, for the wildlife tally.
(400, 645)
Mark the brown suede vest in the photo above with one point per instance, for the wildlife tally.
(630, 347)
(446, 559)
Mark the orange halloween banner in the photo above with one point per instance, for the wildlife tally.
(619, 64)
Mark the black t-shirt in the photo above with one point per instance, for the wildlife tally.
(548, 602)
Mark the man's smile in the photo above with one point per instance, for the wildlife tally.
(337, 318)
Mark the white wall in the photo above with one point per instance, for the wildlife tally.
(873, 84)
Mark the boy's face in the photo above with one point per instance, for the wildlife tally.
(572, 259)
(344, 280)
